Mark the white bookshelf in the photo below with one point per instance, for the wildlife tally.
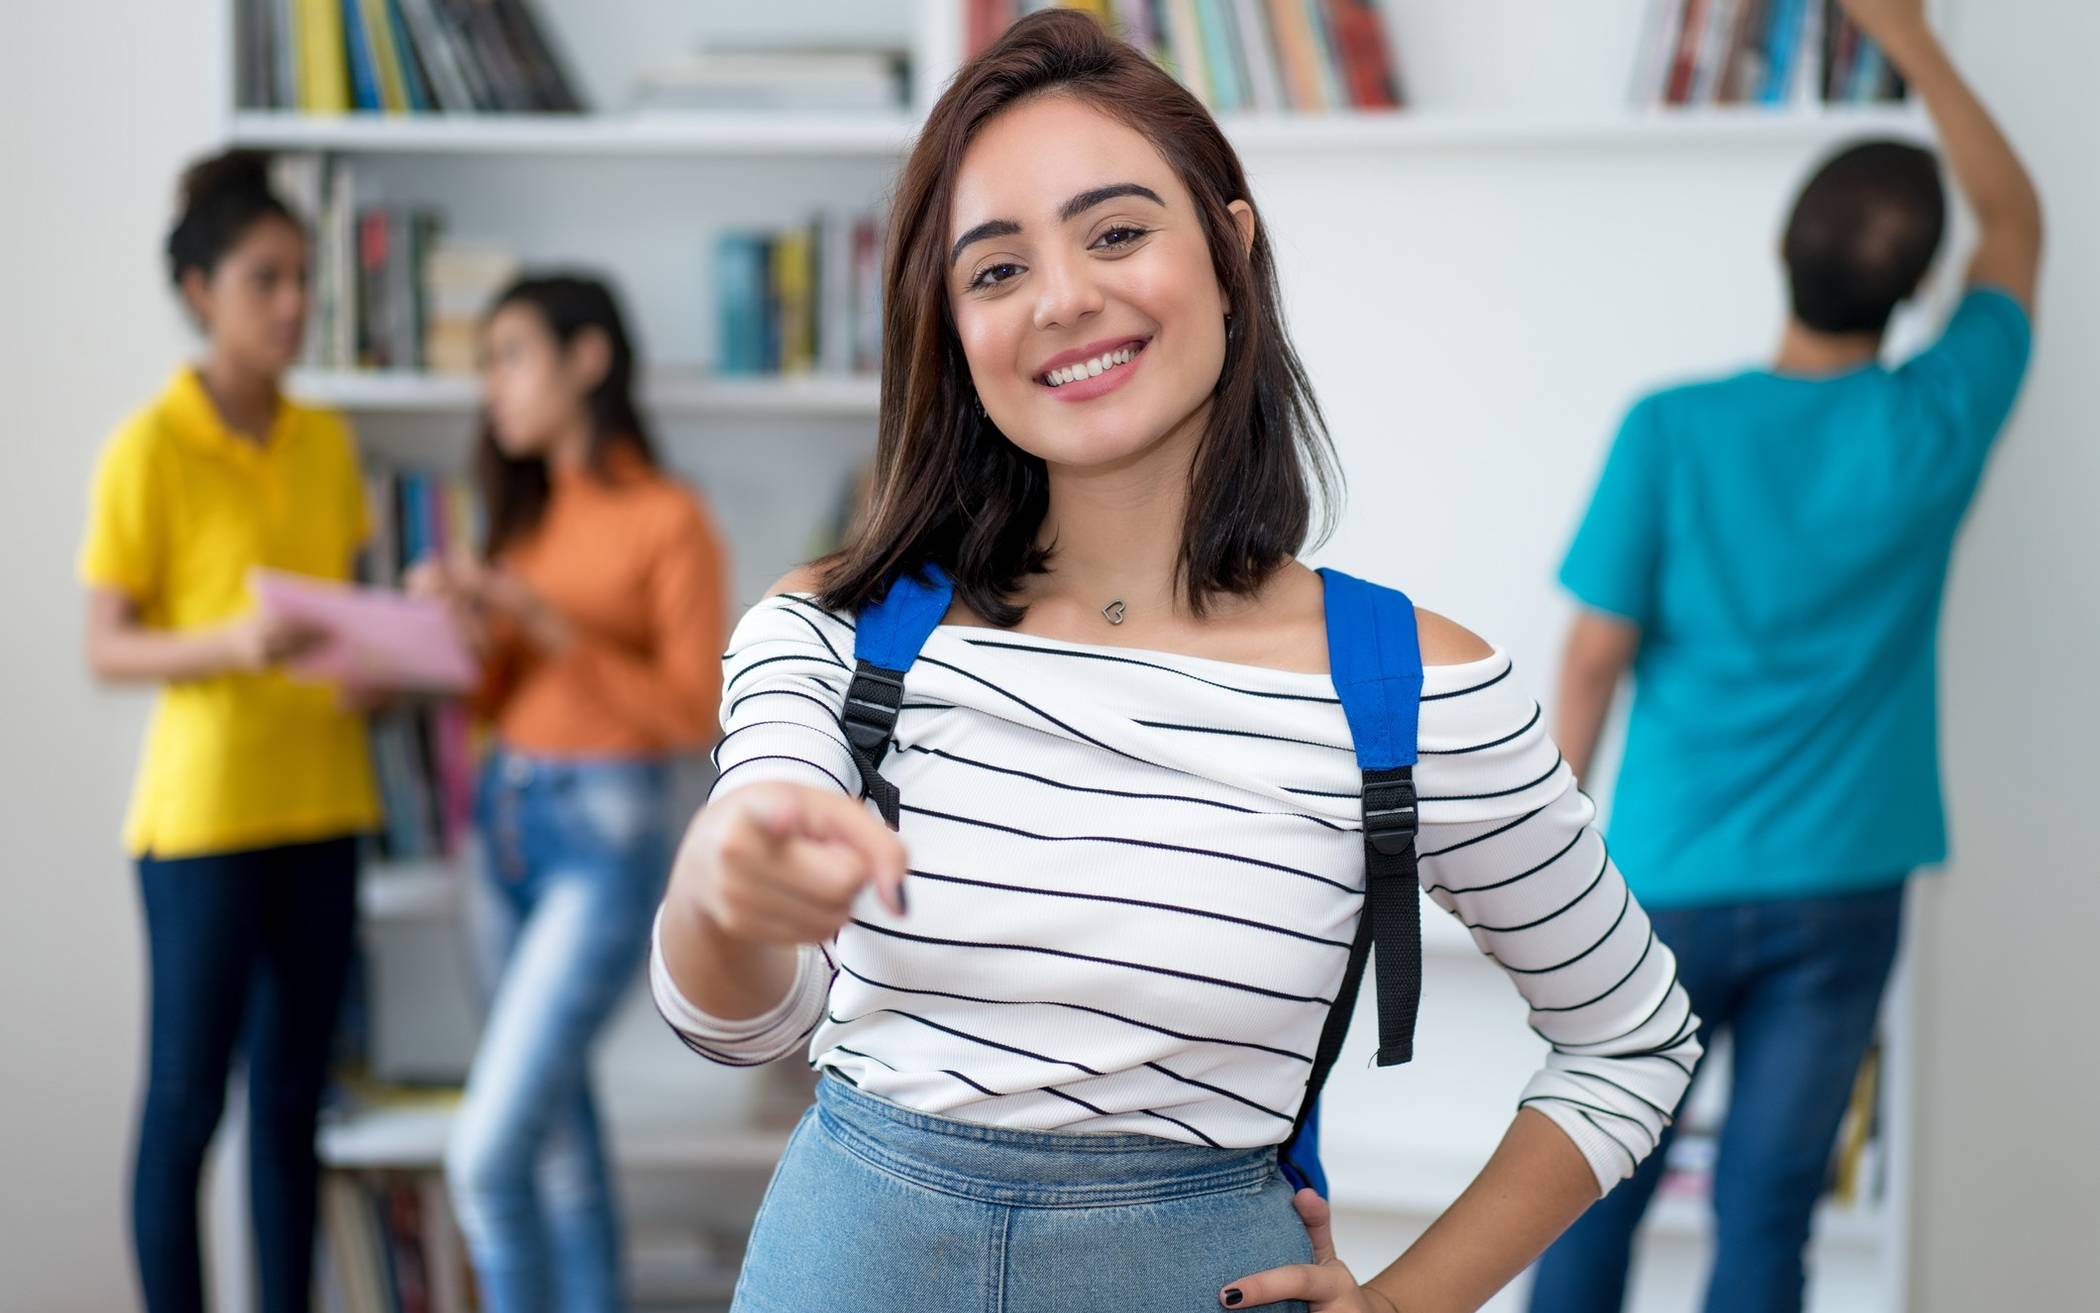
(412, 1137)
(1421, 1186)
(731, 136)
(540, 135)
(399, 891)
(1514, 146)
(674, 393)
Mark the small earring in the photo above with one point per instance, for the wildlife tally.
(979, 403)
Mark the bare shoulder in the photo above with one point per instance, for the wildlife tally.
(802, 579)
(1446, 642)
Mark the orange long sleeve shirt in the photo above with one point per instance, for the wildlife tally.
(634, 564)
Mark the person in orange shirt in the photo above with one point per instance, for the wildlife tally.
(600, 610)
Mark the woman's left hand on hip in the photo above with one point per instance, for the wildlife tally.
(1324, 1283)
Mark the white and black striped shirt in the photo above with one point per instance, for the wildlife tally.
(1135, 876)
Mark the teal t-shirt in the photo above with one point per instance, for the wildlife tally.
(1782, 542)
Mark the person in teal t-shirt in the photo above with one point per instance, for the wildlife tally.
(1766, 553)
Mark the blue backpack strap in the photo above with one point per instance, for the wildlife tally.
(887, 637)
(1375, 657)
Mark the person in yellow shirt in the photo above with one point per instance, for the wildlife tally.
(254, 784)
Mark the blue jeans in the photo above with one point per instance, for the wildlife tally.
(577, 853)
(879, 1209)
(261, 937)
(1797, 983)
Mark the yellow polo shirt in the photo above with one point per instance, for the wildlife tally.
(182, 508)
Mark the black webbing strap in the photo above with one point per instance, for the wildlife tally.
(869, 719)
(1393, 898)
(1392, 918)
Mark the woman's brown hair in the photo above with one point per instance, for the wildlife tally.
(948, 488)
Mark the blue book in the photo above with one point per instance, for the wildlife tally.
(364, 73)
(1868, 70)
(742, 295)
(1782, 49)
(1221, 56)
(411, 72)
(415, 517)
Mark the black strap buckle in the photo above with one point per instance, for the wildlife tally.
(1390, 815)
(870, 715)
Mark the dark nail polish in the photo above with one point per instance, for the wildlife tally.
(1233, 1296)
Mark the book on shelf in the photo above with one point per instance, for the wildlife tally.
(802, 299)
(1855, 1172)
(775, 81)
(1762, 52)
(1265, 56)
(390, 291)
(391, 246)
(390, 1245)
(422, 754)
(1855, 1178)
(460, 282)
(398, 57)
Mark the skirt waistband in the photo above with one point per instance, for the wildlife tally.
(1040, 1169)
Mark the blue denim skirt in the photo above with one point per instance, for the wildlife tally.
(881, 1209)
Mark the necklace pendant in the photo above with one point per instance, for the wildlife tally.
(1113, 612)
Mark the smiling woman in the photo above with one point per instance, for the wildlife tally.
(1074, 1014)
(1097, 229)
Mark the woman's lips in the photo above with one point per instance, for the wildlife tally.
(1101, 384)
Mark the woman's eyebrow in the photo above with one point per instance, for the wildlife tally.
(990, 228)
(1087, 200)
(1079, 204)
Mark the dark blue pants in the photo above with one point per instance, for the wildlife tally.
(1797, 985)
(259, 938)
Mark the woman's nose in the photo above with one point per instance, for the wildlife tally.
(1066, 293)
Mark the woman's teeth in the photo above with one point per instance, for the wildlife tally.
(1107, 360)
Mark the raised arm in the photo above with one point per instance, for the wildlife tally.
(1989, 173)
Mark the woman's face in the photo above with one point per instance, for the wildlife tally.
(253, 302)
(534, 388)
(1081, 285)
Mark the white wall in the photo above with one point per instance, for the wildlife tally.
(2005, 1204)
(100, 103)
(1473, 330)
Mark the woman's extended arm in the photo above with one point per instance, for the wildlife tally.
(122, 650)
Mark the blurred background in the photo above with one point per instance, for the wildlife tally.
(1479, 281)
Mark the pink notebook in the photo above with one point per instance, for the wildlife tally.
(377, 638)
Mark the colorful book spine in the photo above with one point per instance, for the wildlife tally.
(800, 299)
(387, 72)
(1334, 90)
(365, 93)
(792, 287)
(1257, 47)
(1782, 49)
(1261, 56)
(423, 756)
(324, 83)
(1367, 61)
(1186, 57)
(1221, 56)
(741, 322)
(412, 81)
